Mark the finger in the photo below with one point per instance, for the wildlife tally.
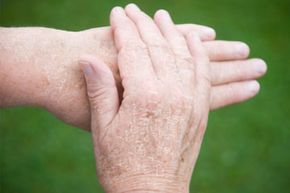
(183, 59)
(102, 93)
(159, 49)
(125, 32)
(205, 33)
(232, 93)
(175, 39)
(147, 29)
(219, 50)
(133, 59)
(202, 66)
(235, 71)
(201, 93)
(202, 82)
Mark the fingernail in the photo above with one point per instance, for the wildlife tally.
(209, 32)
(243, 49)
(86, 67)
(254, 86)
(164, 14)
(133, 6)
(260, 66)
(117, 10)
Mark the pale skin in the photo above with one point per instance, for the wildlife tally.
(149, 141)
(39, 67)
(146, 139)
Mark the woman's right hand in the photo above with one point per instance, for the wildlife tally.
(149, 141)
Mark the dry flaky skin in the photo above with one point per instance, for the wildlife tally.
(45, 71)
(147, 146)
(144, 141)
(39, 67)
(149, 141)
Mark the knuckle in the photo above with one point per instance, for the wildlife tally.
(133, 51)
(149, 104)
(94, 94)
(152, 98)
(134, 47)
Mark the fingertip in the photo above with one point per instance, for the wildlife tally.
(94, 63)
(133, 11)
(132, 7)
(162, 15)
(161, 12)
(260, 66)
(209, 33)
(243, 50)
(253, 87)
(117, 10)
(96, 72)
(156, 16)
(86, 67)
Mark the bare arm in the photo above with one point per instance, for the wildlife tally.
(38, 66)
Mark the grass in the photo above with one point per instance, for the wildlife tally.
(246, 147)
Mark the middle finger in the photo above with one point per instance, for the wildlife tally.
(159, 49)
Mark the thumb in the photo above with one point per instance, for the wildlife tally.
(102, 93)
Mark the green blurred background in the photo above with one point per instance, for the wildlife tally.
(246, 147)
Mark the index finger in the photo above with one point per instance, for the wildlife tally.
(133, 58)
(125, 32)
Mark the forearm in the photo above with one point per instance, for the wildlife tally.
(20, 74)
(39, 67)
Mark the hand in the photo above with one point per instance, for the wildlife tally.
(42, 69)
(232, 73)
(150, 142)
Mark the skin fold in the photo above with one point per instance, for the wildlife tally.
(39, 67)
(149, 141)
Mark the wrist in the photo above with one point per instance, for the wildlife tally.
(66, 95)
(147, 184)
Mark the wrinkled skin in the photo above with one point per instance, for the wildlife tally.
(149, 141)
(232, 75)
(39, 67)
